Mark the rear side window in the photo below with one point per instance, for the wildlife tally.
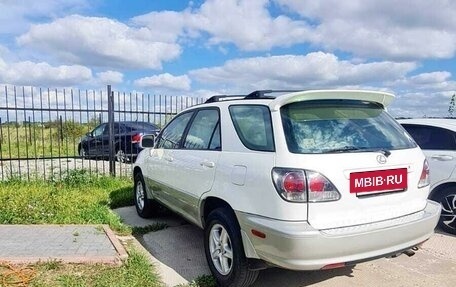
(435, 138)
(327, 126)
(253, 126)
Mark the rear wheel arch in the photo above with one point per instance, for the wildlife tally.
(212, 203)
(438, 189)
(445, 194)
(136, 170)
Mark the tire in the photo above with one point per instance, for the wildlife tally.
(222, 237)
(145, 207)
(82, 152)
(447, 198)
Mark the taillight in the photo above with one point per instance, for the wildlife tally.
(136, 138)
(303, 185)
(291, 184)
(320, 188)
(424, 178)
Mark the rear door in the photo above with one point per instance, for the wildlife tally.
(439, 146)
(367, 156)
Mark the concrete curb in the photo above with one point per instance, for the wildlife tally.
(123, 255)
(168, 276)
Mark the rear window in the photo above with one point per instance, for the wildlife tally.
(327, 126)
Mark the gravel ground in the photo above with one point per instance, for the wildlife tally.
(48, 168)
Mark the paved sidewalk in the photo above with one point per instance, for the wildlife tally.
(66, 243)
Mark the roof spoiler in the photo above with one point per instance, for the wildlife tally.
(382, 98)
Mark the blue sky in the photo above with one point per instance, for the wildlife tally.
(201, 48)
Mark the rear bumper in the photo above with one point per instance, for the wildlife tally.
(298, 246)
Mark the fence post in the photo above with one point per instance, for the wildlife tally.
(61, 128)
(112, 162)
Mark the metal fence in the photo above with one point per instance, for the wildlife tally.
(40, 129)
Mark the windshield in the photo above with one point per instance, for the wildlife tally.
(328, 126)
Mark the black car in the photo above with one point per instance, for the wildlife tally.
(127, 136)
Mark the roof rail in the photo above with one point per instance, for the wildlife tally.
(219, 98)
(262, 93)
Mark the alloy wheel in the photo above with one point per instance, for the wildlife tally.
(449, 211)
(82, 152)
(221, 249)
(121, 156)
(140, 195)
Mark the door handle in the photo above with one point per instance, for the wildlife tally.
(442, 157)
(168, 158)
(209, 164)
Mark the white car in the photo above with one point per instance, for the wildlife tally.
(437, 139)
(305, 180)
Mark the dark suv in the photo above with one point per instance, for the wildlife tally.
(127, 136)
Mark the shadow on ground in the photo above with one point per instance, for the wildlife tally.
(180, 247)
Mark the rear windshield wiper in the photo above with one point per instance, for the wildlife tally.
(385, 152)
(342, 149)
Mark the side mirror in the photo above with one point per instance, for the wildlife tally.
(147, 141)
(89, 134)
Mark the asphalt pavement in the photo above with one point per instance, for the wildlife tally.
(178, 254)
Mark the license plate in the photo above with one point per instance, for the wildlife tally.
(378, 180)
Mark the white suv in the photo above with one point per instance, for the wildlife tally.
(306, 180)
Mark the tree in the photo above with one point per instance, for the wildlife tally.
(451, 106)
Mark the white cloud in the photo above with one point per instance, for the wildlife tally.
(246, 23)
(165, 81)
(389, 29)
(100, 42)
(110, 77)
(371, 28)
(314, 70)
(421, 104)
(164, 26)
(432, 82)
(42, 74)
(431, 78)
(17, 15)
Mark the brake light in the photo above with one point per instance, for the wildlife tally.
(136, 138)
(290, 184)
(424, 178)
(303, 186)
(294, 182)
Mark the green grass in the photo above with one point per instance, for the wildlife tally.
(141, 230)
(39, 141)
(201, 281)
(136, 271)
(78, 198)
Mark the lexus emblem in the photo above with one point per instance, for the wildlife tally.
(381, 159)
